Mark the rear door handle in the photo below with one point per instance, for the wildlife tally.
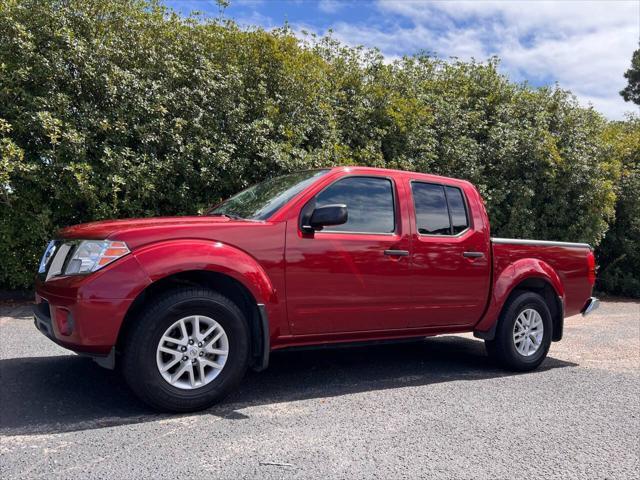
(397, 253)
(473, 254)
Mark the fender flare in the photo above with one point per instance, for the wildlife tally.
(163, 259)
(504, 285)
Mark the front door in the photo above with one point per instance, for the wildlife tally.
(355, 276)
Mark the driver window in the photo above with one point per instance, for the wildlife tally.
(369, 202)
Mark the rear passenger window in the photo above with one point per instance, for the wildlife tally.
(439, 210)
(457, 209)
(369, 202)
(432, 217)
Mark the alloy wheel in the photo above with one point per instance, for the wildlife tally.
(192, 352)
(528, 332)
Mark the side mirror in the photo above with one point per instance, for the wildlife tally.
(327, 216)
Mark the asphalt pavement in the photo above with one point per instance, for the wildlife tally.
(432, 409)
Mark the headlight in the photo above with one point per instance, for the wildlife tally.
(91, 255)
(48, 253)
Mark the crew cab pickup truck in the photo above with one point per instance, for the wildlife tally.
(184, 305)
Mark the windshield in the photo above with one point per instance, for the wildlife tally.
(264, 199)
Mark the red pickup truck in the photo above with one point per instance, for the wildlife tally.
(184, 305)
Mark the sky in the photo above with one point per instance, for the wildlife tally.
(584, 46)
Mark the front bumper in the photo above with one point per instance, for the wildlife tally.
(85, 313)
(84, 327)
(42, 321)
(592, 304)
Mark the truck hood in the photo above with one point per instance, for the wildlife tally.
(142, 230)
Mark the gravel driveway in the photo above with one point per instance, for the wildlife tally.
(436, 409)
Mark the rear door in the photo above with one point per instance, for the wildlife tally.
(356, 276)
(451, 260)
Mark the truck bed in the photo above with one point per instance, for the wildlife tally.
(568, 262)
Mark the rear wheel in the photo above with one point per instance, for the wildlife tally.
(187, 350)
(523, 334)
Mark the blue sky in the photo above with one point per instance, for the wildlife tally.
(585, 46)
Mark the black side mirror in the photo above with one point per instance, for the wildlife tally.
(326, 216)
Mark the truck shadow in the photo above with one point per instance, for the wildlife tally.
(43, 395)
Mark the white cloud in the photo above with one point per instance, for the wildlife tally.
(400, 41)
(608, 106)
(256, 19)
(583, 45)
(330, 6)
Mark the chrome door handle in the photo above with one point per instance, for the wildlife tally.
(397, 253)
(473, 254)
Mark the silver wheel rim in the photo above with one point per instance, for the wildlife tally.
(528, 332)
(192, 352)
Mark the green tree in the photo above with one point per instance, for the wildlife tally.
(619, 254)
(631, 93)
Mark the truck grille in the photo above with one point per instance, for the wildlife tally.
(62, 253)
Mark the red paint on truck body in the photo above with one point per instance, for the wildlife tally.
(321, 287)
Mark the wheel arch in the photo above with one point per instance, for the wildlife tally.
(164, 259)
(222, 283)
(525, 275)
(545, 289)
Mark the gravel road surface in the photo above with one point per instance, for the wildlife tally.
(433, 409)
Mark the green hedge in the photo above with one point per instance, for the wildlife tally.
(114, 108)
(619, 253)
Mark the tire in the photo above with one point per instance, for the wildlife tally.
(186, 307)
(509, 348)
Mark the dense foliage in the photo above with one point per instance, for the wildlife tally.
(619, 253)
(119, 108)
(631, 93)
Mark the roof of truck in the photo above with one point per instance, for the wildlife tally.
(424, 176)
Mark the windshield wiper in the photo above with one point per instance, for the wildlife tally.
(232, 216)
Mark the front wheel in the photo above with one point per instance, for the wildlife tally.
(187, 350)
(523, 335)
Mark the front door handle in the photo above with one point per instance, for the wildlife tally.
(397, 253)
(473, 254)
